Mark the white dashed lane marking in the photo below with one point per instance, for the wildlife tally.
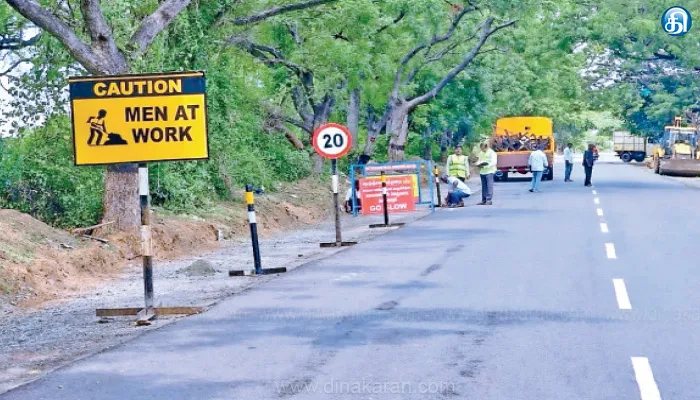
(594, 192)
(604, 227)
(596, 200)
(623, 300)
(610, 250)
(645, 379)
(600, 212)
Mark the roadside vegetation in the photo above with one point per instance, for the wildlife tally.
(409, 78)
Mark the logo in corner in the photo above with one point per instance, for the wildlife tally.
(676, 21)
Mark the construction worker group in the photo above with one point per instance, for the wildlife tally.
(458, 172)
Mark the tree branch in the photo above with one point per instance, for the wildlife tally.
(427, 45)
(271, 12)
(8, 42)
(46, 20)
(271, 56)
(95, 22)
(394, 22)
(486, 32)
(14, 65)
(155, 23)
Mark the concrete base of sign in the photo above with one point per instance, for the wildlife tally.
(337, 244)
(144, 316)
(387, 226)
(241, 272)
(251, 272)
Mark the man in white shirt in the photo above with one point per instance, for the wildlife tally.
(569, 160)
(457, 192)
(537, 163)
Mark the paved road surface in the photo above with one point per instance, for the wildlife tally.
(529, 299)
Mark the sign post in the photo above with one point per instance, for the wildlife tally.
(333, 141)
(140, 119)
(146, 241)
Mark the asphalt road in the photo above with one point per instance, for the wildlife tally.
(531, 298)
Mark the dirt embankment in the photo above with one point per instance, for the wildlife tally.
(40, 263)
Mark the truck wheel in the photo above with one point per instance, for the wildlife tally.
(639, 157)
(626, 157)
(504, 177)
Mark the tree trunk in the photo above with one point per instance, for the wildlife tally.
(121, 198)
(120, 202)
(428, 143)
(317, 162)
(444, 145)
(354, 116)
(397, 128)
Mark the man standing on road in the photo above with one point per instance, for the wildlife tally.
(588, 161)
(537, 163)
(569, 160)
(488, 160)
(458, 165)
(457, 192)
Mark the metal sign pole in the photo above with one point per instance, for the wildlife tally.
(146, 242)
(334, 179)
(336, 205)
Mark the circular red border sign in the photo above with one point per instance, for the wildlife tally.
(334, 128)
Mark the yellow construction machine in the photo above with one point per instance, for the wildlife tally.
(676, 153)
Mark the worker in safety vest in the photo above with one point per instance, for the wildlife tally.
(488, 160)
(458, 165)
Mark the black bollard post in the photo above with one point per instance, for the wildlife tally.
(252, 220)
(250, 201)
(385, 207)
(436, 172)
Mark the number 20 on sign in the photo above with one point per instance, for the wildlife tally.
(332, 141)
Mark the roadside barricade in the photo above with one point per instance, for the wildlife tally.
(403, 186)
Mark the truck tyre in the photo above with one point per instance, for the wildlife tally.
(639, 157)
(626, 157)
(504, 177)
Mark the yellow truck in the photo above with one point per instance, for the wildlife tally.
(515, 138)
(676, 153)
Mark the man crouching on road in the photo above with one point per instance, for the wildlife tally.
(488, 159)
(457, 192)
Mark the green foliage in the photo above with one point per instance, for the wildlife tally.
(37, 176)
(532, 68)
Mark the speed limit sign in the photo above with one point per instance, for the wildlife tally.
(332, 141)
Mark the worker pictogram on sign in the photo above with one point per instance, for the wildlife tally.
(98, 132)
(332, 141)
(139, 118)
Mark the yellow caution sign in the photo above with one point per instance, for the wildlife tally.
(139, 118)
